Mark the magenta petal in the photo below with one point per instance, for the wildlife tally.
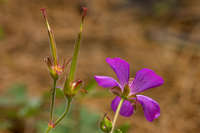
(150, 107)
(145, 79)
(126, 109)
(121, 69)
(105, 81)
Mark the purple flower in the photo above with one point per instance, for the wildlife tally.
(128, 88)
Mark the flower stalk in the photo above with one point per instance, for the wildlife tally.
(53, 67)
(116, 114)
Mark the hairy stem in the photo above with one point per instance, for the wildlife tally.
(116, 114)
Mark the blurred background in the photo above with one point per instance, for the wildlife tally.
(163, 35)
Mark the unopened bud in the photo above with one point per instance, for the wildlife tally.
(51, 125)
(71, 90)
(106, 124)
(84, 12)
(76, 85)
(44, 13)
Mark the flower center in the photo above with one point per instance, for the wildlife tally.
(58, 69)
(126, 91)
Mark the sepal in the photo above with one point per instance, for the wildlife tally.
(55, 70)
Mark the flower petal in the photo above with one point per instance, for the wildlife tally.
(106, 82)
(145, 79)
(150, 107)
(126, 109)
(121, 69)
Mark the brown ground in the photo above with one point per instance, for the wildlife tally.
(167, 43)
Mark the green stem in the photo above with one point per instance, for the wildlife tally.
(53, 93)
(116, 114)
(64, 114)
(48, 129)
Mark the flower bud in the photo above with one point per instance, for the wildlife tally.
(72, 89)
(106, 124)
(84, 12)
(51, 125)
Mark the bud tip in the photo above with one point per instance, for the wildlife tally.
(50, 124)
(84, 11)
(43, 10)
